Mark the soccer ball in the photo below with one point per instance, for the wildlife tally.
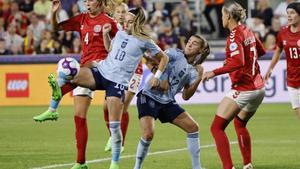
(68, 68)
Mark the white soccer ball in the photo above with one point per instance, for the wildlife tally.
(68, 68)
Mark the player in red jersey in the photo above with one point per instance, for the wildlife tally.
(90, 26)
(288, 39)
(119, 14)
(247, 92)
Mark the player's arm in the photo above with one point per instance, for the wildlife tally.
(275, 59)
(106, 36)
(55, 6)
(260, 48)
(190, 89)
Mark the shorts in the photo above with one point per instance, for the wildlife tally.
(164, 112)
(134, 83)
(248, 101)
(294, 96)
(81, 91)
(112, 89)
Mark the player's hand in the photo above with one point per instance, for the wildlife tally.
(200, 70)
(55, 5)
(154, 83)
(208, 75)
(106, 28)
(268, 75)
(164, 85)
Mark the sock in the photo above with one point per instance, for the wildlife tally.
(124, 125)
(81, 138)
(106, 118)
(116, 140)
(193, 144)
(244, 139)
(141, 152)
(217, 129)
(65, 88)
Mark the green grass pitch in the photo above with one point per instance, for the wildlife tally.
(275, 131)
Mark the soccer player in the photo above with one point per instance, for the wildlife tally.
(90, 26)
(184, 71)
(119, 14)
(288, 39)
(247, 90)
(114, 73)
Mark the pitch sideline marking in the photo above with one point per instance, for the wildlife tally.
(128, 156)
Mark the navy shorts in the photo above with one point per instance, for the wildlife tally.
(111, 88)
(164, 112)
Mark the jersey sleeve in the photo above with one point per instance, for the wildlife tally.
(151, 47)
(72, 24)
(171, 52)
(260, 48)
(235, 57)
(193, 76)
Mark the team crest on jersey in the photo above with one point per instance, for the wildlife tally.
(298, 43)
(233, 46)
(284, 42)
(97, 28)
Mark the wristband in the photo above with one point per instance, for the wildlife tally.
(158, 74)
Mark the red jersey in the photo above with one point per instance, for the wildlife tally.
(290, 42)
(242, 51)
(90, 30)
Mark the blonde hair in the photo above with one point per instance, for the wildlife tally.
(235, 10)
(138, 28)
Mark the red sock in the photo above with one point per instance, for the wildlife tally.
(106, 118)
(217, 129)
(81, 138)
(244, 139)
(67, 88)
(124, 125)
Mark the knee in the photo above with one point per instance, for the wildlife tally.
(148, 136)
(194, 127)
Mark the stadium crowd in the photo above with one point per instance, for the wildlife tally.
(25, 26)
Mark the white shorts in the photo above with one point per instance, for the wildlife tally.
(81, 91)
(248, 101)
(134, 83)
(294, 96)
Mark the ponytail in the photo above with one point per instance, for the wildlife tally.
(138, 28)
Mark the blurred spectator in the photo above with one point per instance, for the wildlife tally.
(28, 45)
(2, 27)
(270, 42)
(67, 5)
(280, 11)
(13, 41)
(42, 48)
(137, 3)
(185, 14)
(75, 10)
(37, 26)
(19, 19)
(26, 6)
(81, 5)
(180, 31)
(169, 39)
(263, 9)
(209, 6)
(62, 15)
(76, 46)
(57, 46)
(275, 27)
(3, 49)
(258, 26)
(67, 42)
(5, 11)
(49, 38)
(42, 7)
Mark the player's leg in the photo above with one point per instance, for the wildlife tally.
(106, 119)
(147, 127)
(148, 111)
(226, 111)
(82, 101)
(294, 94)
(240, 122)
(190, 126)
(114, 105)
